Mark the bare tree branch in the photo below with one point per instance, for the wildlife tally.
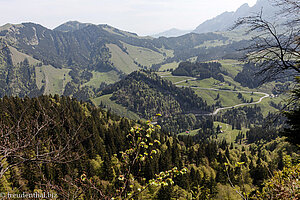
(275, 48)
(29, 139)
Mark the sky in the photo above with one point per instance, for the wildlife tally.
(144, 17)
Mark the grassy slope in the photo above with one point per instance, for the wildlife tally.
(113, 30)
(228, 134)
(116, 108)
(226, 98)
(99, 77)
(233, 67)
(172, 65)
(206, 83)
(18, 57)
(143, 56)
(121, 60)
(190, 132)
(175, 79)
(146, 57)
(213, 43)
(168, 52)
(238, 35)
(266, 107)
(54, 79)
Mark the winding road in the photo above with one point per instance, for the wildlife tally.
(214, 89)
(242, 104)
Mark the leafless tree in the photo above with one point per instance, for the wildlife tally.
(23, 139)
(275, 47)
(290, 9)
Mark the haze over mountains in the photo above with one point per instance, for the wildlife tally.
(173, 32)
(77, 58)
(76, 55)
(226, 20)
(94, 112)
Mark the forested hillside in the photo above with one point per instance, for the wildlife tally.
(18, 79)
(75, 150)
(90, 56)
(93, 112)
(146, 94)
(200, 70)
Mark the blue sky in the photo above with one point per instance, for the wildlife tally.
(144, 17)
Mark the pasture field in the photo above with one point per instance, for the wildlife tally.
(99, 77)
(116, 108)
(53, 78)
(227, 133)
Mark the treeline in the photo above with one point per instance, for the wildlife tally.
(17, 79)
(185, 122)
(247, 77)
(252, 77)
(203, 54)
(258, 134)
(240, 117)
(200, 70)
(87, 140)
(146, 93)
(61, 125)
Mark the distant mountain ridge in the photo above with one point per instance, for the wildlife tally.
(174, 32)
(226, 20)
(75, 59)
(71, 26)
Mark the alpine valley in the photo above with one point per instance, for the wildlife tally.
(93, 112)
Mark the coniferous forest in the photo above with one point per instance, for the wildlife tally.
(93, 112)
(77, 150)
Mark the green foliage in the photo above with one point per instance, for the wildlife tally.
(284, 184)
(292, 132)
(200, 70)
(125, 159)
(145, 93)
(64, 122)
(243, 116)
(105, 102)
(18, 79)
(91, 49)
(97, 165)
(142, 148)
(247, 76)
